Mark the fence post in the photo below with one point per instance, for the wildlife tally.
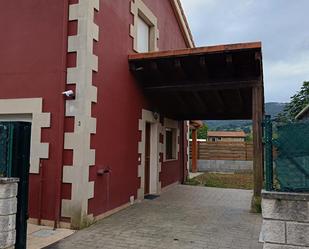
(268, 135)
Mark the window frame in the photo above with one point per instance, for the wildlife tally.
(173, 126)
(140, 10)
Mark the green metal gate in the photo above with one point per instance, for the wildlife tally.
(288, 169)
(15, 162)
(6, 142)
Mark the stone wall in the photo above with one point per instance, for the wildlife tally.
(8, 206)
(224, 165)
(285, 220)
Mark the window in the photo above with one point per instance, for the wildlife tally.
(170, 144)
(144, 29)
(143, 32)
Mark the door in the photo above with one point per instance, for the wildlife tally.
(147, 159)
(17, 162)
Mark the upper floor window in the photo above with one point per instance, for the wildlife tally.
(144, 29)
(143, 32)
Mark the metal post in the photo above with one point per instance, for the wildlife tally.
(268, 135)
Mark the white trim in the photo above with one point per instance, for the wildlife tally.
(33, 108)
(139, 9)
(154, 158)
(188, 146)
(80, 109)
(156, 148)
(183, 22)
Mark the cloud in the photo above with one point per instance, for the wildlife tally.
(281, 25)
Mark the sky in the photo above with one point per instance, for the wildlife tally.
(281, 25)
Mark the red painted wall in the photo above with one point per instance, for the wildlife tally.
(32, 64)
(120, 101)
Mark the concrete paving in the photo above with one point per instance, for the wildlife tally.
(42, 236)
(193, 175)
(184, 217)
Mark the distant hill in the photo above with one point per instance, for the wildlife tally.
(271, 108)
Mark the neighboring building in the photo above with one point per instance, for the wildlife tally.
(232, 136)
(95, 152)
(304, 114)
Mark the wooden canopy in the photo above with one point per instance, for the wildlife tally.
(218, 82)
(201, 83)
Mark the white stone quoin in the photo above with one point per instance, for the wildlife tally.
(8, 207)
(285, 220)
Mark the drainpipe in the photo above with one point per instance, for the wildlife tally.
(61, 114)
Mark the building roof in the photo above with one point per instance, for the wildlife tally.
(183, 23)
(302, 113)
(226, 134)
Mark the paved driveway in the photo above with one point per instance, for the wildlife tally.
(182, 217)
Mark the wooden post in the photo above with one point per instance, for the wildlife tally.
(257, 117)
(194, 151)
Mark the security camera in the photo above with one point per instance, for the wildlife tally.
(69, 93)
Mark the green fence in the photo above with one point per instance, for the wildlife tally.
(286, 156)
(6, 134)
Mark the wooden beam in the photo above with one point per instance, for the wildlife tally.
(220, 101)
(156, 73)
(203, 67)
(154, 66)
(229, 65)
(200, 101)
(202, 62)
(207, 116)
(197, 51)
(180, 73)
(180, 100)
(240, 98)
(258, 64)
(194, 151)
(257, 116)
(200, 86)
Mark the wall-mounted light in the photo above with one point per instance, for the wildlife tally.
(69, 94)
(156, 115)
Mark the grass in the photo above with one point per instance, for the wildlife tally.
(223, 180)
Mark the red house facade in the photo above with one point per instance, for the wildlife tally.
(95, 152)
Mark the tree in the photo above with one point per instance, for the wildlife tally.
(202, 132)
(297, 103)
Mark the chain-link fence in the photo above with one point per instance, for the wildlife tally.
(286, 156)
